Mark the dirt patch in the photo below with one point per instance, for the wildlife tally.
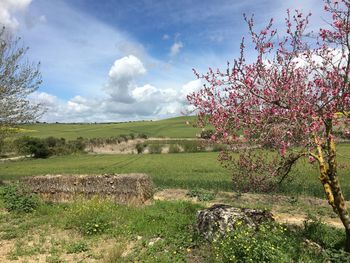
(128, 147)
(6, 247)
(297, 219)
(278, 203)
(52, 246)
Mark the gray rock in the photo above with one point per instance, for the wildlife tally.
(216, 221)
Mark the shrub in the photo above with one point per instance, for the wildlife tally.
(17, 198)
(142, 136)
(174, 148)
(123, 138)
(155, 148)
(33, 146)
(77, 145)
(140, 147)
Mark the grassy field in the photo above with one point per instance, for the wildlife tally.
(164, 232)
(183, 170)
(174, 128)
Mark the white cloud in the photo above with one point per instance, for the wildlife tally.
(190, 87)
(126, 67)
(144, 93)
(43, 98)
(8, 10)
(165, 37)
(141, 102)
(122, 77)
(175, 48)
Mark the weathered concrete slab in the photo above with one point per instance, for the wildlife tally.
(121, 188)
(216, 221)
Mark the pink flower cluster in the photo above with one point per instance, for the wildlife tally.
(292, 88)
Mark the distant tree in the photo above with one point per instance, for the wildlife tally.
(288, 99)
(18, 79)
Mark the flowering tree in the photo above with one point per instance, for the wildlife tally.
(290, 98)
(18, 79)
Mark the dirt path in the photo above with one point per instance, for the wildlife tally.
(282, 207)
(15, 158)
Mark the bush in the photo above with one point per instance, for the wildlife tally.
(123, 138)
(33, 146)
(77, 145)
(174, 148)
(140, 147)
(142, 136)
(155, 148)
(43, 148)
(17, 198)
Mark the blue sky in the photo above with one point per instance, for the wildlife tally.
(116, 60)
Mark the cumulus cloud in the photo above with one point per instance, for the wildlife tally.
(123, 98)
(8, 11)
(122, 76)
(175, 48)
(43, 98)
(190, 87)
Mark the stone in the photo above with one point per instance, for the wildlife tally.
(153, 241)
(216, 221)
(121, 188)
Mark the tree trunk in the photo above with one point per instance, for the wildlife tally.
(331, 185)
(347, 241)
(338, 197)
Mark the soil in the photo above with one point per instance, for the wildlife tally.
(129, 146)
(279, 204)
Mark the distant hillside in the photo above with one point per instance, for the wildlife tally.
(174, 128)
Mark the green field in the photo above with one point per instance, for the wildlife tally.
(183, 170)
(74, 232)
(173, 128)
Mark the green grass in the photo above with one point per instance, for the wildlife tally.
(174, 128)
(168, 224)
(167, 170)
(161, 232)
(184, 170)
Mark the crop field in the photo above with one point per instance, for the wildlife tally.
(173, 128)
(181, 170)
